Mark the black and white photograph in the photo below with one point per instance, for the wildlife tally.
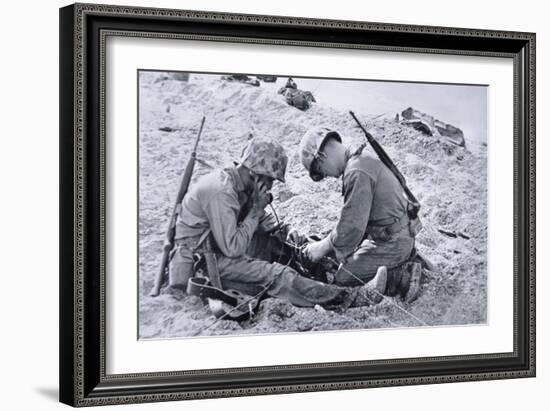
(289, 204)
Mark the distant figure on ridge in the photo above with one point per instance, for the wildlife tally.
(295, 97)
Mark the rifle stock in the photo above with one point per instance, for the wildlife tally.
(171, 231)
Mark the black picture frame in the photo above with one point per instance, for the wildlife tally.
(83, 29)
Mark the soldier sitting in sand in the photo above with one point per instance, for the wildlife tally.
(227, 207)
(374, 228)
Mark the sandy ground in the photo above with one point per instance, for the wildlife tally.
(450, 183)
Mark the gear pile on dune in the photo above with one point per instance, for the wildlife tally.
(449, 180)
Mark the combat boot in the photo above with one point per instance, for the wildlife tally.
(405, 281)
(372, 292)
(395, 281)
(375, 288)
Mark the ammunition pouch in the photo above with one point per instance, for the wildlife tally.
(189, 247)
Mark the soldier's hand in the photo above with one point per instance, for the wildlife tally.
(365, 247)
(261, 196)
(368, 244)
(295, 237)
(317, 250)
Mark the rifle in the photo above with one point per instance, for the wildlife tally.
(412, 211)
(171, 231)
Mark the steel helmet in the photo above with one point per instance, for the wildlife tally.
(265, 157)
(312, 142)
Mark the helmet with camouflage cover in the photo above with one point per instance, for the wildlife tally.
(265, 157)
(312, 142)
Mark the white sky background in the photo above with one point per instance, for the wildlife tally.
(460, 105)
(463, 106)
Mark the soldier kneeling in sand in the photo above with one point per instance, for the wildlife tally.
(374, 228)
(227, 207)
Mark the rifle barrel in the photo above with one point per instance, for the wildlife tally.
(369, 135)
(199, 135)
(387, 161)
(171, 230)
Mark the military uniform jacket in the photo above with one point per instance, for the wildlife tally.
(372, 196)
(220, 202)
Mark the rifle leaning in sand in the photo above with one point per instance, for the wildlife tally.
(171, 231)
(414, 205)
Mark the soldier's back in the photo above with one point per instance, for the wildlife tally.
(388, 198)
